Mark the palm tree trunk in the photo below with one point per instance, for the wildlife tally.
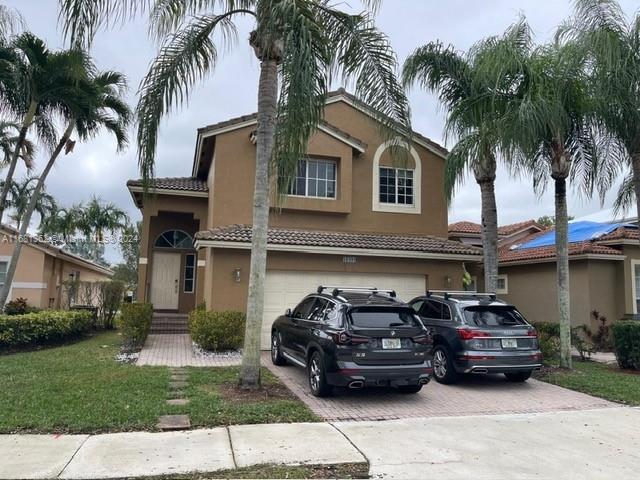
(489, 234)
(26, 220)
(26, 122)
(635, 165)
(267, 109)
(562, 252)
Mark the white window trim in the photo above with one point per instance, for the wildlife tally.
(306, 173)
(5, 259)
(505, 290)
(634, 301)
(193, 279)
(378, 206)
(396, 185)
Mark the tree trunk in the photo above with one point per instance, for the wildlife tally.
(267, 110)
(635, 164)
(562, 252)
(26, 122)
(26, 219)
(489, 234)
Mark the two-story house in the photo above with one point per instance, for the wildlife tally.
(353, 216)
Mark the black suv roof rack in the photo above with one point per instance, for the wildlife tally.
(452, 294)
(337, 290)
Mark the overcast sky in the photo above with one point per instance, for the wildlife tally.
(95, 168)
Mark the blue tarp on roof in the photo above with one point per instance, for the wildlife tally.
(580, 231)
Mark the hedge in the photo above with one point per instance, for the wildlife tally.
(42, 327)
(217, 331)
(549, 339)
(135, 322)
(626, 339)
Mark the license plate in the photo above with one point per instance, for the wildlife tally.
(509, 343)
(389, 343)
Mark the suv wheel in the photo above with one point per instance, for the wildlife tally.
(443, 368)
(410, 388)
(276, 354)
(317, 377)
(518, 377)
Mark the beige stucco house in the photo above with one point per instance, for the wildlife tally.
(42, 269)
(352, 217)
(604, 271)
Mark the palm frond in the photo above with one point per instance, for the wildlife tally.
(459, 162)
(186, 57)
(626, 197)
(11, 22)
(82, 19)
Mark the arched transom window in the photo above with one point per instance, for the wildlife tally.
(174, 239)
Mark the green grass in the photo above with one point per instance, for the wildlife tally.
(80, 388)
(597, 379)
(215, 400)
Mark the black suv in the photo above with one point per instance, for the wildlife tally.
(477, 333)
(354, 337)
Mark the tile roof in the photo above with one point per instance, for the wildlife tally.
(191, 184)
(476, 228)
(465, 227)
(284, 236)
(581, 248)
(622, 233)
(517, 227)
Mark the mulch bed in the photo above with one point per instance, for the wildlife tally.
(266, 392)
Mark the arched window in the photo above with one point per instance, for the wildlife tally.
(174, 239)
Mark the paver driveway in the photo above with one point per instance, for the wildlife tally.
(475, 395)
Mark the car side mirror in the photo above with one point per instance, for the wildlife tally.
(287, 312)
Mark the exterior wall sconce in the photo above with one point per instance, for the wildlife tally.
(447, 281)
(236, 275)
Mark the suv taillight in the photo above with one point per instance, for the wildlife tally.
(532, 333)
(345, 338)
(469, 334)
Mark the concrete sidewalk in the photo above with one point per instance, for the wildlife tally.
(587, 444)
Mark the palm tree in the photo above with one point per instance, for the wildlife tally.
(61, 225)
(94, 102)
(8, 141)
(475, 95)
(613, 46)
(34, 84)
(554, 127)
(19, 195)
(11, 22)
(96, 218)
(301, 45)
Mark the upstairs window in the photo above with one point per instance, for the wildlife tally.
(396, 186)
(315, 178)
(4, 266)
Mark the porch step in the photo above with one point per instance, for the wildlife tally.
(168, 323)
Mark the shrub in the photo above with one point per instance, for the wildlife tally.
(601, 338)
(109, 299)
(43, 327)
(135, 322)
(626, 338)
(217, 331)
(549, 339)
(19, 306)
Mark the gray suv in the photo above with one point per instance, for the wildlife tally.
(477, 333)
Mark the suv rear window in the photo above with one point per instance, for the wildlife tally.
(493, 316)
(372, 317)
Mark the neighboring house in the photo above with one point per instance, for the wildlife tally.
(353, 216)
(470, 233)
(604, 266)
(42, 270)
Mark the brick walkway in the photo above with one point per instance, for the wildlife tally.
(174, 350)
(475, 395)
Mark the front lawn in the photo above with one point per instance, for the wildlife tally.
(600, 380)
(80, 388)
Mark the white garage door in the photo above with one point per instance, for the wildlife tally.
(284, 289)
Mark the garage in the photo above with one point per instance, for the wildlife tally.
(284, 289)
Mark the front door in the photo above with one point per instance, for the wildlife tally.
(165, 282)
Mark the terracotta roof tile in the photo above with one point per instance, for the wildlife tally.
(516, 227)
(465, 227)
(506, 254)
(283, 236)
(174, 183)
(622, 233)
